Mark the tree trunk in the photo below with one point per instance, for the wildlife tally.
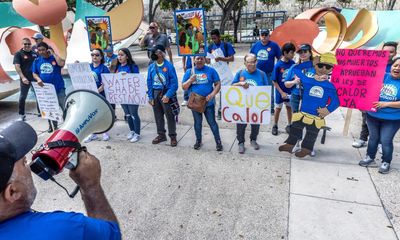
(237, 15)
(391, 5)
(226, 13)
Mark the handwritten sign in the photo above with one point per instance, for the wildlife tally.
(125, 88)
(252, 105)
(358, 77)
(222, 68)
(82, 76)
(48, 102)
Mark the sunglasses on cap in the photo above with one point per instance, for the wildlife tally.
(27, 44)
(327, 66)
(95, 55)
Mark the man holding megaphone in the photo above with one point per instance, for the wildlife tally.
(17, 193)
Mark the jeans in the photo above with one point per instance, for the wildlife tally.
(381, 131)
(61, 99)
(241, 129)
(296, 132)
(131, 111)
(295, 103)
(364, 128)
(24, 90)
(270, 83)
(186, 95)
(160, 109)
(209, 113)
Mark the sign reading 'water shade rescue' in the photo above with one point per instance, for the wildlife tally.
(358, 77)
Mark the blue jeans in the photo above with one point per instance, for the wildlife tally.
(381, 131)
(186, 95)
(209, 113)
(295, 103)
(270, 83)
(131, 111)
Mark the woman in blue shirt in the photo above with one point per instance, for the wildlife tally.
(126, 64)
(385, 122)
(98, 67)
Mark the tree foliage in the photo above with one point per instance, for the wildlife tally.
(270, 3)
(308, 4)
(344, 3)
(179, 4)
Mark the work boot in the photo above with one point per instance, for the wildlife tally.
(302, 153)
(174, 142)
(286, 148)
(159, 139)
(219, 146)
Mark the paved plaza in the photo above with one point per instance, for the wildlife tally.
(160, 192)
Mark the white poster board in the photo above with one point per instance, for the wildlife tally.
(82, 76)
(48, 102)
(222, 68)
(252, 105)
(125, 88)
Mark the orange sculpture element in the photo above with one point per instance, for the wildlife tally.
(125, 19)
(57, 36)
(42, 12)
(296, 31)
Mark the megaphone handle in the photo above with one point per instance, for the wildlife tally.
(73, 193)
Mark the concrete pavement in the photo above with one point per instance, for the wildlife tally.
(159, 192)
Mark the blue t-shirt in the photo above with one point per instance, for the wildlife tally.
(97, 71)
(390, 92)
(317, 94)
(108, 60)
(168, 76)
(388, 67)
(266, 55)
(58, 225)
(226, 48)
(127, 69)
(280, 72)
(256, 78)
(49, 71)
(307, 68)
(204, 84)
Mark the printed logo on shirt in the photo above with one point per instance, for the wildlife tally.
(317, 91)
(389, 92)
(95, 76)
(201, 78)
(241, 79)
(262, 55)
(165, 69)
(284, 73)
(53, 63)
(269, 49)
(157, 81)
(251, 82)
(25, 57)
(46, 68)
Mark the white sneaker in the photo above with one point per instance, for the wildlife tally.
(135, 138)
(296, 147)
(312, 154)
(91, 137)
(380, 148)
(130, 135)
(184, 103)
(358, 143)
(22, 118)
(106, 137)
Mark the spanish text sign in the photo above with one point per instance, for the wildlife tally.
(125, 88)
(82, 76)
(358, 77)
(252, 105)
(48, 102)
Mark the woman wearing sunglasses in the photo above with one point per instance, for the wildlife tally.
(385, 122)
(98, 67)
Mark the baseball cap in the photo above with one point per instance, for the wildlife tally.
(38, 36)
(158, 47)
(304, 47)
(15, 142)
(264, 32)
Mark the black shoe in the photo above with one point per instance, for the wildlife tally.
(219, 146)
(197, 145)
(50, 130)
(219, 115)
(272, 111)
(275, 130)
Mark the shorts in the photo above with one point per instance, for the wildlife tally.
(280, 105)
(279, 101)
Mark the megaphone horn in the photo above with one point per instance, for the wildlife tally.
(85, 112)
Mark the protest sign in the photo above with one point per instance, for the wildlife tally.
(48, 102)
(358, 77)
(125, 88)
(99, 32)
(191, 34)
(252, 105)
(222, 68)
(82, 76)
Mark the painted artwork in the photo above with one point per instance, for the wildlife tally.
(99, 32)
(191, 33)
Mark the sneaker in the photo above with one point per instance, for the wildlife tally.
(384, 168)
(219, 146)
(297, 147)
(50, 130)
(159, 139)
(106, 137)
(275, 130)
(367, 161)
(219, 115)
(241, 148)
(287, 128)
(130, 135)
(197, 145)
(184, 103)
(359, 143)
(135, 138)
(312, 154)
(272, 111)
(380, 148)
(22, 118)
(90, 138)
(254, 144)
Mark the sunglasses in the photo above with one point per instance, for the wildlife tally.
(265, 35)
(302, 51)
(95, 55)
(27, 44)
(151, 27)
(327, 67)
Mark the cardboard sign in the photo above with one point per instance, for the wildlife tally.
(252, 105)
(82, 76)
(99, 32)
(48, 102)
(222, 68)
(191, 34)
(358, 77)
(125, 88)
